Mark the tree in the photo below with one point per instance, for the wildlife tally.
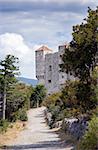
(18, 101)
(68, 95)
(38, 95)
(80, 57)
(8, 70)
(90, 139)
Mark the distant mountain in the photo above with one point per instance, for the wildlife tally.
(28, 81)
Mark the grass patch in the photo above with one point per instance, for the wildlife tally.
(3, 125)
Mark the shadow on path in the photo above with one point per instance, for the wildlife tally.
(46, 145)
(45, 139)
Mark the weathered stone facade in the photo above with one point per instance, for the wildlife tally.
(40, 63)
(48, 70)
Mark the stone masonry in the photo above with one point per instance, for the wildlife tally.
(48, 70)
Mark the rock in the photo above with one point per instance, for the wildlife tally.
(75, 127)
(58, 124)
(48, 117)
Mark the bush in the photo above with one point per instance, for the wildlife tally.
(17, 98)
(55, 112)
(54, 104)
(20, 115)
(37, 96)
(3, 125)
(71, 112)
(52, 100)
(90, 139)
(68, 95)
(23, 115)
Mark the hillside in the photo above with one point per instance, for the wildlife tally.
(32, 82)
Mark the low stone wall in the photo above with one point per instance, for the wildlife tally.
(48, 117)
(58, 124)
(75, 127)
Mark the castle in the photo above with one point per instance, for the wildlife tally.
(48, 70)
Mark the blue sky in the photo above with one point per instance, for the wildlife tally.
(25, 25)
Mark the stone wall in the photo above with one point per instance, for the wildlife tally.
(48, 70)
(72, 126)
(75, 127)
(55, 72)
(62, 76)
(51, 72)
(40, 62)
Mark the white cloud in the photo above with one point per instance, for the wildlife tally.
(37, 26)
(12, 43)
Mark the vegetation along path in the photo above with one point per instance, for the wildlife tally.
(37, 135)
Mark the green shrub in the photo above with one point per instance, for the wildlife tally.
(55, 112)
(3, 125)
(23, 115)
(60, 116)
(90, 139)
(37, 96)
(64, 126)
(18, 97)
(52, 100)
(68, 95)
(71, 112)
(20, 115)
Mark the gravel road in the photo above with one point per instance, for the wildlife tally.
(37, 135)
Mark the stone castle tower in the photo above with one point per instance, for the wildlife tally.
(48, 70)
(40, 63)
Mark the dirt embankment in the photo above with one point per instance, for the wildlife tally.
(12, 132)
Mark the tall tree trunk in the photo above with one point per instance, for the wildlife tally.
(4, 100)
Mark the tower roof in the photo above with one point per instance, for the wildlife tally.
(44, 48)
(64, 44)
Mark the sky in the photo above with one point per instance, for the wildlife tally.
(25, 25)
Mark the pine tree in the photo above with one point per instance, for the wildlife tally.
(8, 70)
(80, 57)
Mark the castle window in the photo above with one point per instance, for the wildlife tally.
(62, 76)
(70, 73)
(50, 68)
(49, 81)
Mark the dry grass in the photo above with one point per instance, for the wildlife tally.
(11, 133)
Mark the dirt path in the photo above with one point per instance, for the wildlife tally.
(36, 135)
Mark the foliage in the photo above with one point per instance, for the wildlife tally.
(65, 103)
(18, 98)
(72, 112)
(87, 96)
(68, 95)
(76, 95)
(37, 96)
(23, 115)
(52, 99)
(20, 115)
(90, 139)
(79, 58)
(8, 70)
(3, 125)
(54, 104)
